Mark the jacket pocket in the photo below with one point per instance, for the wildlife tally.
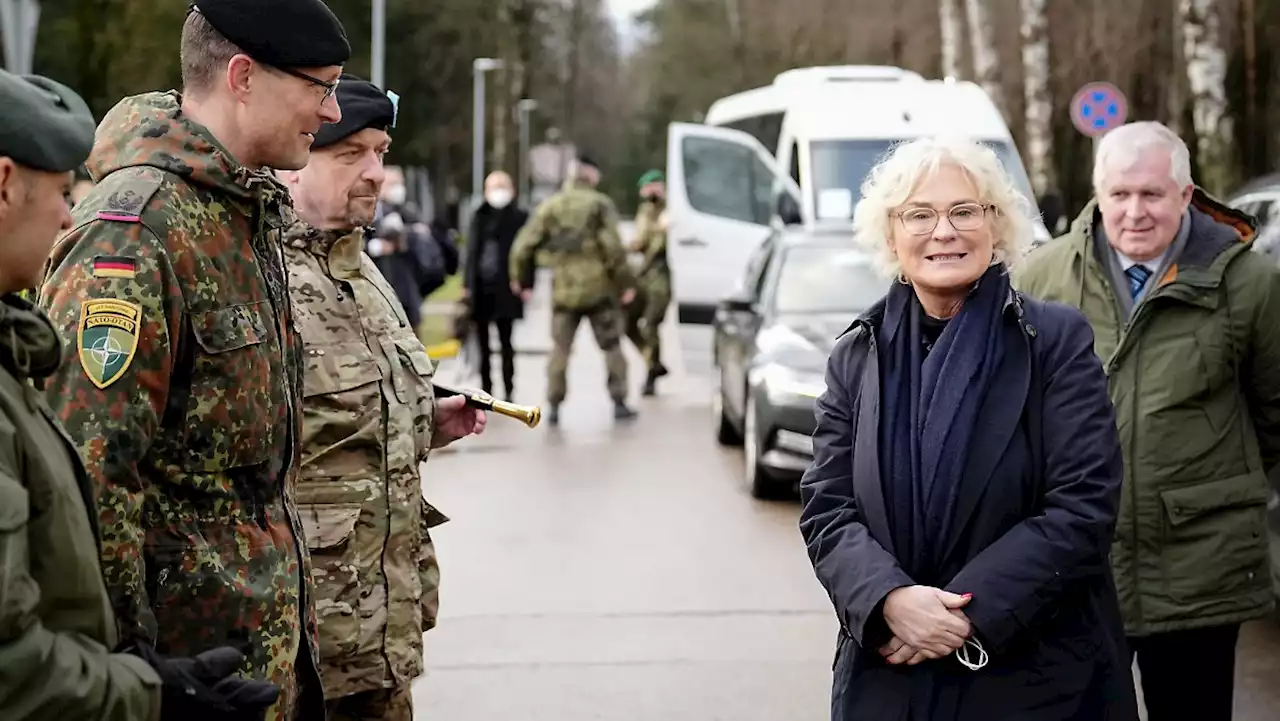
(1214, 543)
(337, 367)
(230, 408)
(330, 531)
(413, 388)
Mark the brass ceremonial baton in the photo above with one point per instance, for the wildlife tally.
(530, 415)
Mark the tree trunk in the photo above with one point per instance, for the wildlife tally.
(1039, 100)
(986, 62)
(1252, 128)
(575, 38)
(1206, 79)
(949, 24)
(502, 89)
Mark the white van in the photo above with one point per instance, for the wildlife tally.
(796, 153)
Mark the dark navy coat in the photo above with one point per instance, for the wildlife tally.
(1034, 519)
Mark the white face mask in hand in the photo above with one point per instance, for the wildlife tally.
(499, 198)
(395, 194)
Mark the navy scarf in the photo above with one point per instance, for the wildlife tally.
(931, 401)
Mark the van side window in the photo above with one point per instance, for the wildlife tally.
(765, 128)
(727, 180)
(795, 162)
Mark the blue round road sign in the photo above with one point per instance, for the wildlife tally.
(1097, 108)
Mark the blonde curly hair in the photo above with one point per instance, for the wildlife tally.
(891, 182)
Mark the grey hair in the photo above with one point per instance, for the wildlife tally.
(1122, 147)
(901, 171)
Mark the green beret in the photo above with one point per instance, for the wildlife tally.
(283, 33)
(653, 176)
(44, 125)
(363, 106)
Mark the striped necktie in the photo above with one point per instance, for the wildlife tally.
(1138, 276)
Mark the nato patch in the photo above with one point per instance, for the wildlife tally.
(107, 338)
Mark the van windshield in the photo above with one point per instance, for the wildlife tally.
(840, 166)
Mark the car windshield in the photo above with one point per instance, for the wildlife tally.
(840, 166)
(827, 280)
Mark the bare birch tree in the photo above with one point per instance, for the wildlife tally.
(949, 24)
(1039, 100)
(1206, 79)
(986, 62)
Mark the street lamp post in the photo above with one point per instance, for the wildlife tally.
(379, 44)
(19, 20)
(525, 106)
(479, 68)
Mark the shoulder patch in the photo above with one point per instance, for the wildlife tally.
(107, 338)
(131, 189)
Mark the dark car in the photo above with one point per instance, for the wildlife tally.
(771, 345)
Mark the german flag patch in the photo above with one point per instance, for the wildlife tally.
(114, 266)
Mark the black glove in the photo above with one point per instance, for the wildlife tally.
(206, 688)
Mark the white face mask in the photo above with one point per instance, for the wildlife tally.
(499, 198)
(394, 194)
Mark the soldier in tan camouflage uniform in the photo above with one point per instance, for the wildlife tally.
(644, 317)
(369, 419)
(577, 230)
(184, 391)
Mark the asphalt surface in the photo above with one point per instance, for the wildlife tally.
(609, 572)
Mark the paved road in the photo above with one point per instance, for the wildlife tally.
(596, 572)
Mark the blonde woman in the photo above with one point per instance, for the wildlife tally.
(966, 474)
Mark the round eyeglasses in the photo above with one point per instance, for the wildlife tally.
(965, 216)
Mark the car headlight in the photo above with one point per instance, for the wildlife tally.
(783, 384)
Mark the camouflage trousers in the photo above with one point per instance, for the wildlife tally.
(645, 316)
(390, 704)
(607, 324)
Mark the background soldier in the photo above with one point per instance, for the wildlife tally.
(578, 229)
(57, 630)
(370, 418)
(184, 399)
(645, 314)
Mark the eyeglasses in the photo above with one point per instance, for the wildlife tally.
(329, 88)
(922, 221)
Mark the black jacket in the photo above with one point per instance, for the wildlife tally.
(1036, 512)
(494, 299)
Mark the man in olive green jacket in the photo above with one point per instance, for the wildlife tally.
(1187, 324)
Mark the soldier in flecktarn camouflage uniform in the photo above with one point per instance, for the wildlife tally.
(184, 393)
(644, 317)
(577, 230)
(369, 419)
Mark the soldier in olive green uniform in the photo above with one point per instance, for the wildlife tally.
(577, 229)
(370, 417)
(58, 636)
(645, 314)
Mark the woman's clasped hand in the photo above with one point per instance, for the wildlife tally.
(926, 622)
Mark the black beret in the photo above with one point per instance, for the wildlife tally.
(363, 105)
(583, 159)
(43, 124)
(284, 33)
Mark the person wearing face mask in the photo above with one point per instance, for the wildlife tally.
(644, 316)
(487, 286)
(414, 258)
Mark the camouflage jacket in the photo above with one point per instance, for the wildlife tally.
(576, 231)
(56, 626)
(651, 242)
(367, 422)
(183, 397)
